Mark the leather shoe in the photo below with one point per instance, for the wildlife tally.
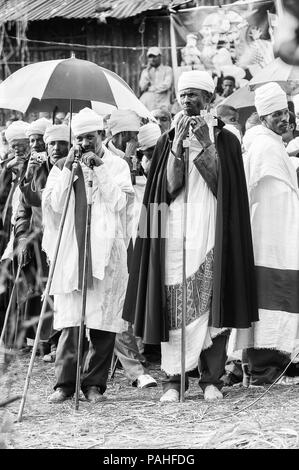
(93, 395)
(59, 396)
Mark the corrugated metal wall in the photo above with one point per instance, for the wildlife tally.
(126, 62)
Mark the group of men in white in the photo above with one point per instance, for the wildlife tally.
(267, 336)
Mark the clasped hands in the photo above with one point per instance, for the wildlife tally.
(198, 126)
(89, 158)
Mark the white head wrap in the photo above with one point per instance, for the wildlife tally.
(38, 127)
(148, 135)
(123, 120)
(16, 130)
(196, 79)
(86, 121)
(270, 98)
(56, 132)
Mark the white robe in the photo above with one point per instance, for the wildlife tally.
(134, 205)
(109, 236)
(274, 210)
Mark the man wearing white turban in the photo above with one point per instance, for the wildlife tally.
(11, 173)
(274, 207)
(41, 134)
(107, 275)
(219, 256)
(12, 170)
(123, 127)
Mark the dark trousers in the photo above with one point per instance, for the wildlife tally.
(97, 355)
(211, 367)
(264, 366)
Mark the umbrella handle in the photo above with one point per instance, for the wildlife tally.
(84, 286)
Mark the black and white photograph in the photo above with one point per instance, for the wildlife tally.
(149, 230)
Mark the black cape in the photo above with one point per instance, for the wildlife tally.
(234, 298)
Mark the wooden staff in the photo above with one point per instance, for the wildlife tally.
(84, 286)
(186, 145)
(47, 290)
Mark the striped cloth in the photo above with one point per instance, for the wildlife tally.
(274, 206)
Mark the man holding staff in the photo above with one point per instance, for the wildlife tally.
(107, 276)
(218, 256)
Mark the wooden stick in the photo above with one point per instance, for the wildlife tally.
(84, 287)
(184, 310)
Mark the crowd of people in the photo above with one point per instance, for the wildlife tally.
(229, 227)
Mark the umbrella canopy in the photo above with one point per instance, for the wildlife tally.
(278, 71)
(241, 98)
(44, 85)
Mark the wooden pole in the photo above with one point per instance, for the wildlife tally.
(84, 287)
(186, 144)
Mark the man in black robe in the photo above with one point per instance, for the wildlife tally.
(221, 292)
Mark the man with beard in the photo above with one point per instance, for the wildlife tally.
(55, 138)
(274, 208)
(124, 126)
(219, 258)
(107, 276)
(11, 172)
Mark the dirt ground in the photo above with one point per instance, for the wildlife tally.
(135, 419)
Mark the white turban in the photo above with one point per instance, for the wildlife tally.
(196, 79)
(86, 121)
(16, 130)
(148, 135)
(123, 120)
(269, 98)
(38, 127)
(57, 132)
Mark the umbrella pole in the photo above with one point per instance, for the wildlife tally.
(184, 309)
(70, 123)
(46, 293)
(84, 287)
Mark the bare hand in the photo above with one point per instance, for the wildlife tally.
(131, 148)
(182, 128)
(21, 158)
(201, 131)
(90, 159)
(70, 158)
(35, 160)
